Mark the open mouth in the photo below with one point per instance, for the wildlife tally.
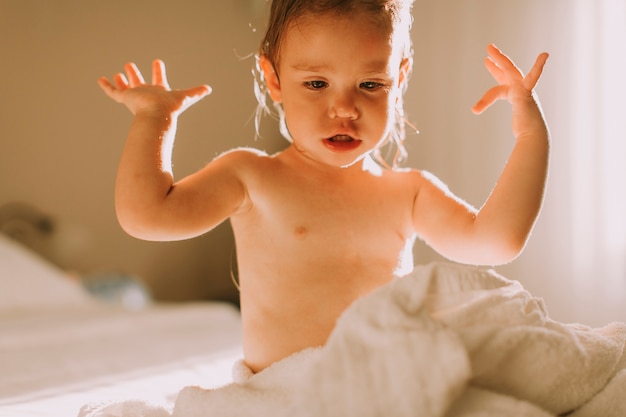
(341, 138)
(342, 143)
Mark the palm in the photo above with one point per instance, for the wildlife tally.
(512, 84)
(139, 96)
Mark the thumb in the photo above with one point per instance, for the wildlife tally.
(490, 97)
(198, 92)
(193, 95)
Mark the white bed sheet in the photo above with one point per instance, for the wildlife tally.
(54, 360)
(61, 349)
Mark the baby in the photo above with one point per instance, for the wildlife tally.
(325, 221)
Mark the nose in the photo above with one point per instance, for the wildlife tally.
(343, 106)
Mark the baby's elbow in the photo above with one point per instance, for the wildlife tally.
(129, 225)
(134, 224)
(490, 250)
(131, 229)
(484, 250)
(505, 249)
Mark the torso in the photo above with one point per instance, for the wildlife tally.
(309, 242)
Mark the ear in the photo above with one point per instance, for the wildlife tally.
(271, 78)
(405, 69)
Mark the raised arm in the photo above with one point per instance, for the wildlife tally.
(149, 204)
(498, 232)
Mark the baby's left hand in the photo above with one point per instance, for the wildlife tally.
(513, 86)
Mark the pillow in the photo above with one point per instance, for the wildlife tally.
(27, 280)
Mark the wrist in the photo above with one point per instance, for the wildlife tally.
(156, 117)
(154, 112)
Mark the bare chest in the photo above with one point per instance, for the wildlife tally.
(347, 223)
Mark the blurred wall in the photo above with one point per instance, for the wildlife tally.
(61, 138)
(468, 152)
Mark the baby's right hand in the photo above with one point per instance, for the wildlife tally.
(156, 98)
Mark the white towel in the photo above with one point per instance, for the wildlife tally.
(611, 401)
(515, 348)
(445, 341)
(127, 408)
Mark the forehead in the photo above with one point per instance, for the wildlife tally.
(319, 40)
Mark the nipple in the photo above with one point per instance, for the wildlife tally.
(300, 232)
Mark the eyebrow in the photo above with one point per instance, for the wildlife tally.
(310, 68)
(374, 67)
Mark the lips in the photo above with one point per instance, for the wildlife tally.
(342, 143)
(341, 138)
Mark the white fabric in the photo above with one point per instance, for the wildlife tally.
(446, 340)
(26, 280)
(53, 360)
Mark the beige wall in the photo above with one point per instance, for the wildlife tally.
(60, 137)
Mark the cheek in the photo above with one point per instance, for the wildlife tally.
(384, 112)
(303, 109)
(300, 117)
(382, 117)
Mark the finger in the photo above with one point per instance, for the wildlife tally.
(491, 96)
(193, 95)
(159, 76)
(535, 72)
(121, 83)
(501, 60)
(106, 86)
(199, 92)
(495, 71)
(104, 83)
(109, 89)
(134, 75)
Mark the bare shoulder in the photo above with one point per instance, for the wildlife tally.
(414, 178)
(422, 178)
(244, 165)
(424, 187)
(243, 154)
(241, 162)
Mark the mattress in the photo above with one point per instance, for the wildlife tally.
(60, 348)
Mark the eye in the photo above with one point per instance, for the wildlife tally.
(371, 85)
(316, 85)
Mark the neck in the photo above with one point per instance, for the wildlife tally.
(364, 165)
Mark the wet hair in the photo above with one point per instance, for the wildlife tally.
(392, 15)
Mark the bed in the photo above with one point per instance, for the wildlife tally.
(446, 340)
(61, 348)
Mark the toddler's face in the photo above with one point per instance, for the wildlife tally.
(339, 80)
